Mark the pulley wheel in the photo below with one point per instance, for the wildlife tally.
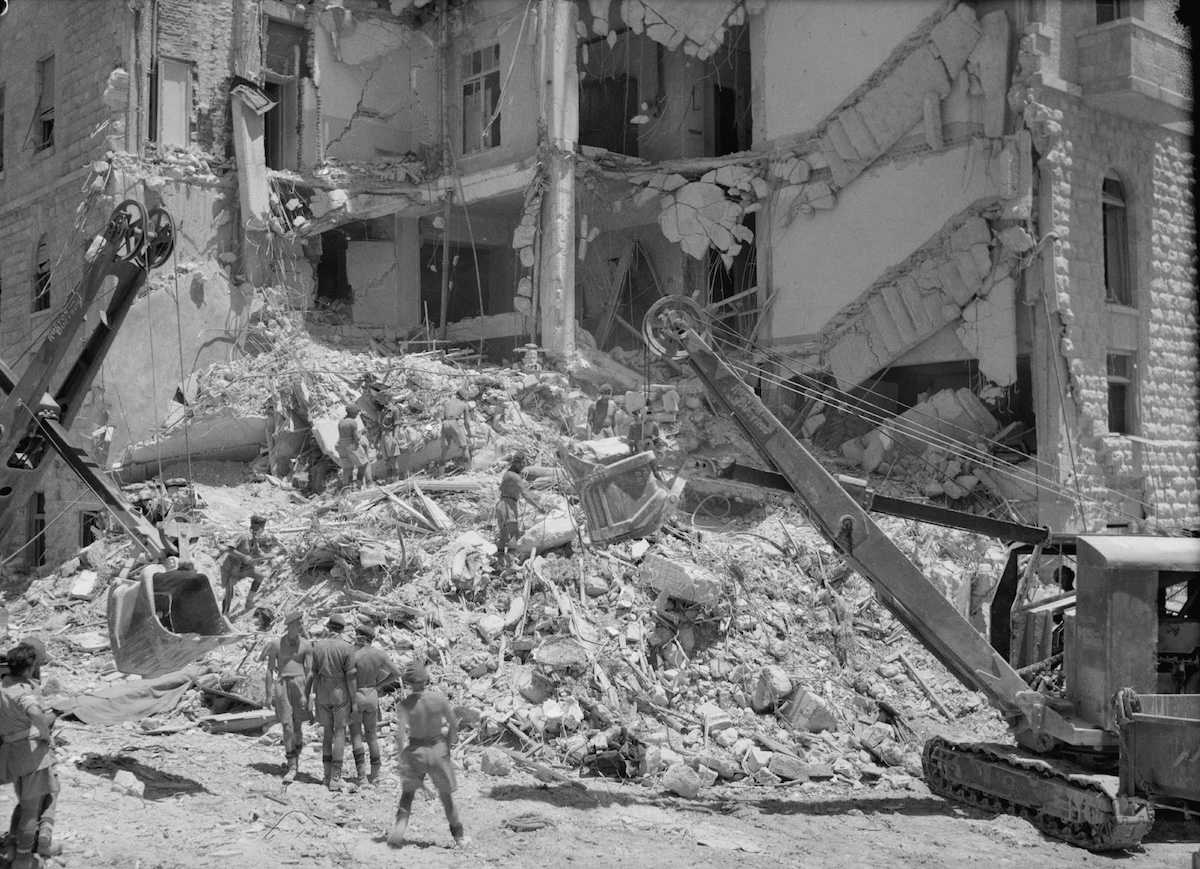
(127, 229)
(666, 324)
(160, 237)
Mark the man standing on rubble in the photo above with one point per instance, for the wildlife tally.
(335, 679)
(508, 517)
(644, 434)
(389, 436)
(289, 657)
(600, 414)
(422, 750)
(353, 449)
(374, 668)
(242, 558)
(27, 757)
(456, 425)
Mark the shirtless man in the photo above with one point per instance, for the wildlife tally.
(422, 750)
(335, 679)
(290, 658)
(375, 667)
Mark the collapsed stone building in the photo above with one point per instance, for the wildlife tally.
(959, 204)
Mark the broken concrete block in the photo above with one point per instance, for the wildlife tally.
(878, 321)
(595, 586)
(955, 36)
(952, 282)
(897, 104)
(708, 777)
(495, 762)
(756, 759)
(728, 737)
(846, 769)
(854, 450)
(811, 425)
(968, 269)
(788, 768)
(489, 627)
(84, 587)
(909, 333)
(806, 711)
(972, 231)
(713, 718)
(771, 686)
(860, 137)
(681, 779)
(841, 143)
(723, 767)
(844, 171)
(129, 784)
(531, 685)
(687, 582)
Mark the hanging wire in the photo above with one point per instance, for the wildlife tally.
(187, 444)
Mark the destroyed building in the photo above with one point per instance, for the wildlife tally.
(977, 213)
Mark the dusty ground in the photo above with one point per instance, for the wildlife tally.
(216, 800)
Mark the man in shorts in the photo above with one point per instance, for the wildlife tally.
(456, 425)
(243, 557)
(27, 757)
(374, 668)
(422, 750)
(335, 680)
(508, 519)
(290, 658)
(353, 450)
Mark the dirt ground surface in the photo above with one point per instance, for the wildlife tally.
(217, 800)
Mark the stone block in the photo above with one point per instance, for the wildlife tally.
(820, 771)
(713, 718)
(878, 323)
(687, 582)
(788, 768)
(495, 762)
(955, 36)
(756, 759)
(723, 767)
(682, 780)
(770, 687)
(807, 711)
(860, 136)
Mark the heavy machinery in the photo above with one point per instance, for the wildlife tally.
(162, 619)
(1092, 760)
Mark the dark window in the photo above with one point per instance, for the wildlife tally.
(44, 122)
(468, 285)
(37, 528)
(1121, 368)
(41, 277)
(1111, 10)
(91, 527)
(1, 129)
(606, 107)
(1117, 283)
(481, 99)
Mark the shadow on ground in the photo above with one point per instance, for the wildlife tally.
(159, 784)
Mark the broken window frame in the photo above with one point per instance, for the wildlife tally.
(43, 139)
(1118, 283)
(1121, 375)
(481, 99)
(42, 274)
(92, 526)
(595, 127)
(285, 62)
(158, 103)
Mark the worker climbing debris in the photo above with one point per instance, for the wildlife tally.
(245, 557)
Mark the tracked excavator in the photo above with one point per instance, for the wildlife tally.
(1091, 762)
(161, 618)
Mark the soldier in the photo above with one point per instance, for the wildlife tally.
(600, 414)
(422, 750)
(389, 437)
(243, 558)
(289, 657)
(374, 668)
(335, 679)
(353, 450)
(27, 757)
(512, 488)
(456, 425)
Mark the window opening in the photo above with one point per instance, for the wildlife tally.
(1120, 371)
(91, 527)
(171, 103)
(41, 276)
(1118, 286)
(481, 99)
(606, 107)
(286, 61)
(45, 109)
(466, 284)
(1111, 10)
(37, 528)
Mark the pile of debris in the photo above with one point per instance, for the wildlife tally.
(698, 655)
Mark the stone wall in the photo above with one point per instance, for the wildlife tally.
(1124, 476)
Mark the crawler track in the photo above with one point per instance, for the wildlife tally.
(1057, 797)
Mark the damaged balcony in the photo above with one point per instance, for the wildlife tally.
(1132, 70)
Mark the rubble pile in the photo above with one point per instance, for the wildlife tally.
(694, 658)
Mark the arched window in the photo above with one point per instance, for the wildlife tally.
(1118, 282)
(41, 276)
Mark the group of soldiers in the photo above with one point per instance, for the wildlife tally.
(336, 682)
(606, 418)
(354, 447)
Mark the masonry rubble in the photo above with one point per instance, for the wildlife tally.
(734, 652)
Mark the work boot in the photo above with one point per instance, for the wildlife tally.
(360, 765)
(395, 838)
(337, 783)
(328, 764)
(293, 767)
(456, 832)
(373, 775)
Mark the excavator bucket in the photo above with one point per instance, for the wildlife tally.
(164, 620)
(621, 495)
